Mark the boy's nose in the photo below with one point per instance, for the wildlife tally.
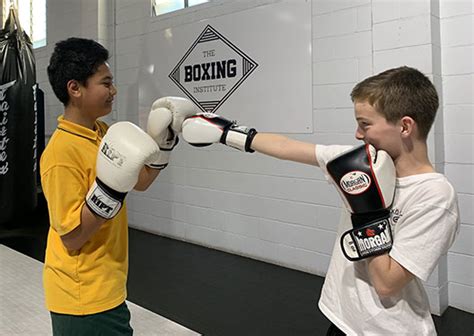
(359, 135)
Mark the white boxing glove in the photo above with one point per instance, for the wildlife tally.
(165, 123)
(123, 152)
(208, 128)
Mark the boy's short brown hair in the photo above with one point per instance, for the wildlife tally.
(400, 92)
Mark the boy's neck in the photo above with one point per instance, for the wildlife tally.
(73, 114)
(414, 161)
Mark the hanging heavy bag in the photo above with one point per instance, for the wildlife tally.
(18, 157)
(40, 138)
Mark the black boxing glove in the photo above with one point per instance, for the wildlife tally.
(365, 178)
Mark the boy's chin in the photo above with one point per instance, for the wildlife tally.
(104, 113)
(108, 108)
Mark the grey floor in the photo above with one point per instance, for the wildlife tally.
(205, 291)
(22, 310)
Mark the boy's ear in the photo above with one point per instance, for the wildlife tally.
(73, 88)
(407, 125)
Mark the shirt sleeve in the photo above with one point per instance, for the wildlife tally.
(65, 191)
(324, 154)
(423, 235)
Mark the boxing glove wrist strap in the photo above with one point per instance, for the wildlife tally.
(165, 152)
(239, 137)
(162, 161)
(367, 240)
(104, 201)
(361, 219)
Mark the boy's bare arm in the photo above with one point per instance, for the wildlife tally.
(284, 148)
(106, 194)
(90, 223)
(207, 128)
(146, 178)
(387, 276)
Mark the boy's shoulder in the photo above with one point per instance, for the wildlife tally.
(68, 148)
(433, 188)
(424, 180)
(56, 150)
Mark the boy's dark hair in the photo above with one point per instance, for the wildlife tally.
(74, 59)
(400, 92)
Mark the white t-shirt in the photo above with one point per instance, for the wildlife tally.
(424, 221)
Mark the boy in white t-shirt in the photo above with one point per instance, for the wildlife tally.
(381, 294)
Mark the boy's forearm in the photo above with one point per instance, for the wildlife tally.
(146, 178)
(90, 224)
(387, 276)
(284, 148)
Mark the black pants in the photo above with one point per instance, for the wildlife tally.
(334, 331)
(114, 322)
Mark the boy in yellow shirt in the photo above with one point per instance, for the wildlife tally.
(87, 169)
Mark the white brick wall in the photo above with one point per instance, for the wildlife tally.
(283, 212)
(457, 45)
(65, 18)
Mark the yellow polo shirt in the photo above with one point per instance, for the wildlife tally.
(92, 279)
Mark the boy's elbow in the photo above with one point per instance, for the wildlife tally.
(71, 246)
(384, 291)
(72, 241)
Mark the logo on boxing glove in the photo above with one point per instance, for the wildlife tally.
(373, 238)
(102, 203)
(113, 155)
(355, 182)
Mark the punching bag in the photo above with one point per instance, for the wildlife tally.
(40, 138)
(18, 157)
